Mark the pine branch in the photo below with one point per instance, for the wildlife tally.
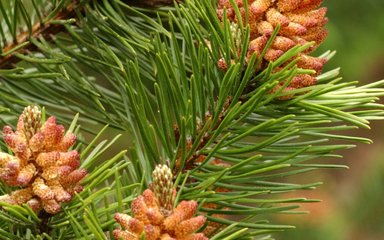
(50, 27)
(202, 137)
(226, 131)
(46, 29)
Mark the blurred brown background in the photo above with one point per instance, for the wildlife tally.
(353, 200)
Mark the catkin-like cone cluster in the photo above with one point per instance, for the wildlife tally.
(300, 21)
(46, 172)
(155, 218)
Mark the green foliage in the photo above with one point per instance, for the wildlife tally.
(154, 74)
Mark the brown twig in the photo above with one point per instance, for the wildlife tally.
(46, 30)
(44, 216)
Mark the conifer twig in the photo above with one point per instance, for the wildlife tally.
(46, 30)
(44, 216)
(189, 163)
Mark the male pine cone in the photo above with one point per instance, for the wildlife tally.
(42, 167)
(300, 21)
(156, 218)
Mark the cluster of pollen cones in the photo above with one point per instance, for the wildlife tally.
(156, 219)
(42, 168)
(300, 22)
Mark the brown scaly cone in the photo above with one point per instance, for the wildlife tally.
(46, 172)
(300, 21)
(155, 218)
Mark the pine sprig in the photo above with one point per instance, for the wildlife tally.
(26, 21)
(225, 134)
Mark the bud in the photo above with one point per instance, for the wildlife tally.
(236, 35)
(163, 186)
(31, 121)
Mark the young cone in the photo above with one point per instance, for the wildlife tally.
(300, 21)
(154, 216)
(163, 186)
(42, 166)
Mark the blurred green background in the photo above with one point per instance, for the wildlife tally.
(353, 200)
